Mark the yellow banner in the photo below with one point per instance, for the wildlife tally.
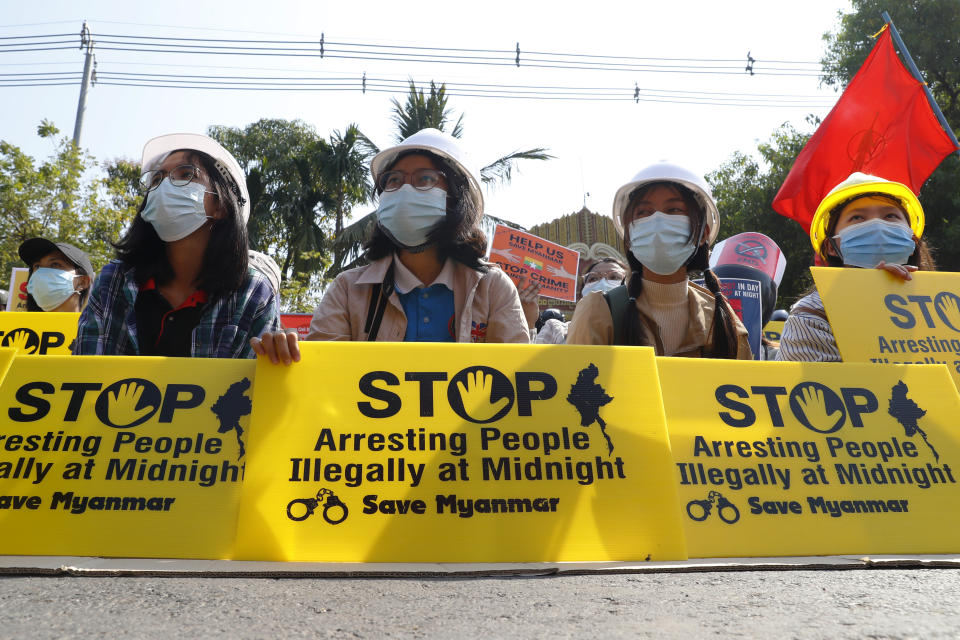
(120, 456)
(788, 459)
(17, 293)
(39, 333)
(418, 453)
(773, 330)
(878, 318)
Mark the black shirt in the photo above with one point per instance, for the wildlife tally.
(163, 330)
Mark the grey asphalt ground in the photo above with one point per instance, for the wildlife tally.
(877, 604)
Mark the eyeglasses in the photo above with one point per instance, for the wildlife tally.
(179, 177)
(596, 277)
(420, 179)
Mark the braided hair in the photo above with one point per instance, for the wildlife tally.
(723, 334)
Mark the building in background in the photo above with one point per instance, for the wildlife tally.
(592, 234)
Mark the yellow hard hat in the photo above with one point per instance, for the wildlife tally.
(862, 184)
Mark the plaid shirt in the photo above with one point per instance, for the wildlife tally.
(108, 324)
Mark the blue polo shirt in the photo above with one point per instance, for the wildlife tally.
(430, 310)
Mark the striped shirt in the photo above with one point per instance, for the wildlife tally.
(108, 324)
(807, 335)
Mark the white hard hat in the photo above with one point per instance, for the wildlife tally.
(438, 143)
(157, 150)
(267, 266)
(666, 172)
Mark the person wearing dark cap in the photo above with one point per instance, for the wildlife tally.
(551, 328)
(60, 275)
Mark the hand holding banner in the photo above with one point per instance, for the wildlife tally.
(535, 455)
(879, 318)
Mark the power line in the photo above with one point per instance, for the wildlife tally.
(406, 83)
(415, 54)
(379, 52)
(383, 84)
(38, 49)
(706, 71)
(37, 24)
(48, 35)
(506, 52)
(492, 93)
(48, 84)
(468, 95)
(20, 44)
(43, 73)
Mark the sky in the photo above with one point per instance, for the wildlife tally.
(598, 144)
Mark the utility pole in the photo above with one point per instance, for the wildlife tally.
(88, 73)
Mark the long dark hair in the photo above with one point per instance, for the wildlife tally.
(723, 332)
(921, 258)
(225, 260)
(458, 236)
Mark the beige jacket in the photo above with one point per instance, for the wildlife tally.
(593, 324)
(487, 307)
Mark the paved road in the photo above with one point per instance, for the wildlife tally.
(880, 603)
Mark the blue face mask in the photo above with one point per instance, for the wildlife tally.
(869, 243)
(661, 242)
(175, 212)
(50, 288)
(409, 215)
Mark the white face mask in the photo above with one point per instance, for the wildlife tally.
(661, 242)
(50, 288)
(409, 215)
(175, 212)
(603, 285)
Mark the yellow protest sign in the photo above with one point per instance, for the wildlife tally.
(876, 317)
(418, 453)
(122, 456)
(39, 333)
(17, 294)
(773, 330)
(788, 459)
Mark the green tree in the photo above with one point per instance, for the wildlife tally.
(420, 111)
(284, 165)
(61, 199)
(345, 170)
(744, 188)
(931, 31)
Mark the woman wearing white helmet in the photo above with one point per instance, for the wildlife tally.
(181, 284)
(426, 280)
(668, 219)
(867, 222)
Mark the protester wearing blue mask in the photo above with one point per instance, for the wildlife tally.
(669, 220)
(426, 280)
(865, 222)
(181, 284)
(60, 275)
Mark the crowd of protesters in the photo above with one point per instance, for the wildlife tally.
(185, 282)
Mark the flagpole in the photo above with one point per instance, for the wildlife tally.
(916, 74)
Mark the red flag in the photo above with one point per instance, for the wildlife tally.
(882, 125)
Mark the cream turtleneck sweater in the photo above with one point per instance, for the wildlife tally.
(667, 305)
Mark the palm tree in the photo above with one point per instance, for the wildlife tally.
(344, 168)
(421, 111)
